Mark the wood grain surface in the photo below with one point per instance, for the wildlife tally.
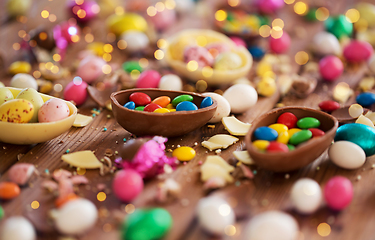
(248, 197)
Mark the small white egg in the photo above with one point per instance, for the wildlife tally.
(214, 214)
(306, 195)
(76, 217)
(272, 225)
(241, 97)
(170, 82)
(223, 107)
(347, 155)
(136, 40)
(17, 228)
(326, 43)
(23, 80)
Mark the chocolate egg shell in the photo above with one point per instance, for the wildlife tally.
(129, 149)
(303, 154)
(163, 124)
(342, 115)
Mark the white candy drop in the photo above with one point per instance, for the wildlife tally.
(23, 80)
(17, 228)
(347, 155)
(326, 43)
(136, 41)
(223, 107)
(306, 195)
(241, 97)
(170, 82)
(214, 214)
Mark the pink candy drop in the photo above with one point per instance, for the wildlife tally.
(280, 45)
(127, 185)
(338, 192)
(148, 79)
(358, 51)
(76, 91)
(331, 67)
(270, 6)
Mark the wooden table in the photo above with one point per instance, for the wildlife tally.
(267, 191)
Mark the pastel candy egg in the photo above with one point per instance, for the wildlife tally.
(241, 97)
(186, 106)
(306, 195)
(288, 119)
(23, 80)
(347, 155)
(339, 26)
(227, 61)
(206, 102)
(199, 54)
(32, 96)
(331, 67)
(214, 214)
(329, 106)
(325, 43)
(366, 99)
(53, 110)
(127, 185)
(119, 24)
(308, 122)
(16, 111)
(17, 228)
(146, 224)
(20, 173)
(271, 225)
(140, 98)
(148, 79)
(163, 19)
(360, 134)
(170, 82)
(76, 216)
(223, 107)
(19, 67)
(90, 68)
(5, 95)
(338, 193)
(280, 45)
(265, 133)
(9, 190)
(76, 91)
(136, 40)
(358, 51)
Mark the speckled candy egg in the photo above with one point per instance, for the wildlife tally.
(214, 214)
(272, 225)
(136, 40)
(306, 195)
(23, 80)
(76, 217)
(347, 155)
(326, 43)
(53, 110)
(164, 19)
(90, 68)
(5, 95)
(241, 97)
(199, 54)
(32, 96)
(16, 111)
(76, 91)
(170, 82)
(227, 61)
(223, 107)
(17, 228)
(148, 79)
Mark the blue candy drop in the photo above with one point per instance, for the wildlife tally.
(206, 102)
(186, 106)
(265, 133)
(130, 105)
(366, 99)
(257, 52)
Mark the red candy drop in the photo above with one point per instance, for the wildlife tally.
(288, 119)
(280, 45)
(331, 67)
(277, 147)
(140, 99)
(316, 132)
(338, 192)
(151, 107)
(358, 51)
(329, 106)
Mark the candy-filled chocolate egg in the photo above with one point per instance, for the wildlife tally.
(23, 80)
(53, 110)
(5, 95)
(16, 111)
(32, 96)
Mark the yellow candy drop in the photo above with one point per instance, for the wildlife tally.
(293, 131)
(129, 21)
(278, 127)
(19, 67)
(266, 87)
(261, 144)
(162, 110)
(184, 153)
(283, 137)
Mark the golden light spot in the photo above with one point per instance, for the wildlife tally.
(111, 37)
(22, 19)
(224, 210)
(201, 41)
(160, 6)
(276, 33)
(108, 48)
(151, 11)
(265, 31)
(107, 57)
(119, 10)
(81, 171)
(129, 209)
(301, 57)
(170, 4)
(322, 14)
(192, 66)
(37, 74)
(352, 15)
(122, 44)
(207, 71)
(21, 33)
(35, 205)
(134, 74)
(107, 227)
(52, 18)
(106, 69)
(80, 2)
(89, 38)
(44, 14)
(55, 69)
(278, 23)
(95, 8)
(58, 87)
(49, 65)
(16, 46)
(101, 196)
(161, 43)
(230, 230)
(159, 54)
(220, 15)
(75, 9)
(233, 3)
(75, 38)
(32, 43)
(43, 36)
(81, 13)
(201, 85)
(289, 1)
(56, 57)
(324, 229)
(301, 8)
(143, 62)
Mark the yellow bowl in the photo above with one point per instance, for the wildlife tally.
(175, 49)
(31, 133)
